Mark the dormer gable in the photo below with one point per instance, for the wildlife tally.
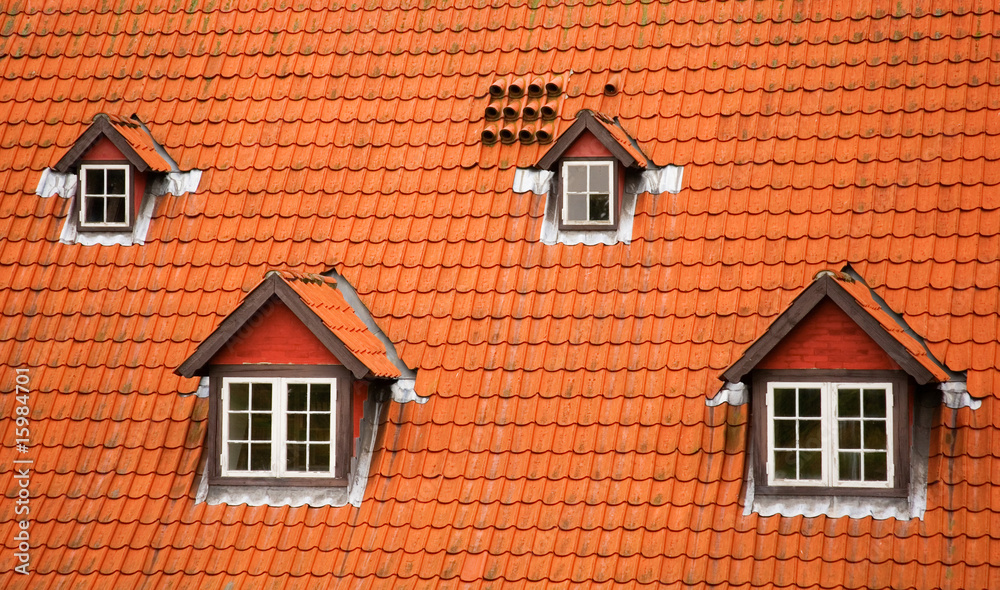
(580, 138)
(119, 138)
(832, 296)
(294, 318)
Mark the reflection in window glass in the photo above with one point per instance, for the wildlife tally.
(587, 193)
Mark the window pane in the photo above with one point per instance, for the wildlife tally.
(784, 434)
(876, 467)
(850, 466)
(784, 402)
(260, 457)
(239, 426)
(296, 457)
(319, 401)
(94, 209)
(850, 434)
(116, 210)
(599, 179)
(576, 178)
(298, 395)
(319, 428)
(810, 465)
(874, 403)
(239, 396)
(810, 434)
(784, 464)
(849, 403)
(238, 456)
(599, 208)
(319, 457)
(116, 182)
(95, 182)
(576, 207)
(297, 427)
(875, 435)
(809, 402)
(262, 397)
(260, 427)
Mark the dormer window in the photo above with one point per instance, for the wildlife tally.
(284, 426)
(105, 199)
(836, 430)
(832, 384)
(284, 368)
(588, 195)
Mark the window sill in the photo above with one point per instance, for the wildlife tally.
(275, 495)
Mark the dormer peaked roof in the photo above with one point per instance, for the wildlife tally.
(128, 135)
(320, 306)
(857, 300)
(607, 131)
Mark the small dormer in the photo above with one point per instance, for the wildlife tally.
(114, 161)
(592, 177)
(589, 163)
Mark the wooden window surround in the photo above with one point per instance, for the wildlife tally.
(105, 201)
(786, 464)
(221, 471)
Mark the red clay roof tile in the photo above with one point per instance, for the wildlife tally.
(347, 136)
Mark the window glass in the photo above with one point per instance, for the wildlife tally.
(587, 193)
(105, 195)
(829, 434)
(279, 426)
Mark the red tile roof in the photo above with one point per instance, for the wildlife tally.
(566, 439)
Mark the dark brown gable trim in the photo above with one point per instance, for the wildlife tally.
(826, 286)
(271, 286)
(585, 122)
(101, 127)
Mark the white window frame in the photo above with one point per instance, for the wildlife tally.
(829, 422)
(84, 169)
(612, 192)
(279, 423)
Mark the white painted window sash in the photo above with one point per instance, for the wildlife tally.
(279, 426)
(829, 423)
(612, 187)
(85, 198)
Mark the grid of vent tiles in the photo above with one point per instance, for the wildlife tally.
(567, 439)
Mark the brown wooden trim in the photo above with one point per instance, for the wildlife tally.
(826, 286)
(902, 392)
(585, 120)
(343, 450)
(777, 331)
(130, 208)
(100, 127)
(879, 334)
(256, 299)
(616, 197)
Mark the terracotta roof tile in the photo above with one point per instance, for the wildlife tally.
(566, 440)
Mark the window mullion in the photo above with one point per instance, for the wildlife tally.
(830, 446)
(278, 427)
